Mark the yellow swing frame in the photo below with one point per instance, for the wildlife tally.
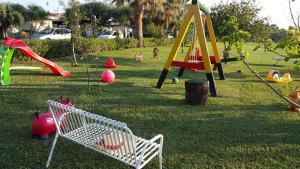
(194, 12)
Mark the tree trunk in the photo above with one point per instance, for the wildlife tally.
(196, 92)
(74, 60)
(139, 11)
(4, 33)
(31, 27)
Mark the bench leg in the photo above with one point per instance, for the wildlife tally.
(160, 159)
(160, 152)
(51, 151)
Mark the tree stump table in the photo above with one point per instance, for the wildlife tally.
(196, 92)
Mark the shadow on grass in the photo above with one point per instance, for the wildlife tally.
(207, 135)
(204, 132)
(120, 74)
(100, 62)
(266, 65)
(31, 73)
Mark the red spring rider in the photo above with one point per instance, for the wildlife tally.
(43, 125)
(110, 63)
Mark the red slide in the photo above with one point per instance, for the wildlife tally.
(20, 45)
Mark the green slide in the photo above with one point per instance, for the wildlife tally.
(6, 58)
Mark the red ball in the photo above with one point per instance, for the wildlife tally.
(108, 76)
(110, 63)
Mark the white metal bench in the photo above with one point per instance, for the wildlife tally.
(104, 135)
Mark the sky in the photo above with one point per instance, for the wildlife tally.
(276, 10)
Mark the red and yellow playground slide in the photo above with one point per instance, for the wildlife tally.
(21, 46)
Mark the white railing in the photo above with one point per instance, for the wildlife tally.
(104, 135)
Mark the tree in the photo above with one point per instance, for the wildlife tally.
(157, 8)
(98, 14)
(8, 17)
(36, 16)
(120, 3)
(165, 12)
(277, 34)
(295, 18)
(21, 9)
(154, 30)
(247, 13)
(139, 9)
(235, 37)
(290, 44)
(73, 21)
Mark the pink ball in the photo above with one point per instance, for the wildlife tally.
(108, 76)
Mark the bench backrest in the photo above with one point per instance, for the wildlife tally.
(109, 136)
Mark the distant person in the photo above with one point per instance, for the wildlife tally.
(226, 54)
(155, 52)
(120, 34)
(130, 32)
(125, 33)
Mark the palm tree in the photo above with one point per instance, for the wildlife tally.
(8, 17)
(165, 12)
(162, 11)
(139, 7)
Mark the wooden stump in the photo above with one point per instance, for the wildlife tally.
(196, 92)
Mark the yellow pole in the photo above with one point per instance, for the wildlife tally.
(202, 39)
(212, 38)
(182, 32)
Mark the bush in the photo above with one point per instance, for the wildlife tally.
(62, 48)
(154, 30)
(152, 42)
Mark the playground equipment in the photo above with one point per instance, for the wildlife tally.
(43, 125)
(139, 57)
(292, 101)
(110, 63)
(295, 97)
(175, 80)
(108, 76)
(201, 15)
(273, 76)
(7, 50)
(25, 68)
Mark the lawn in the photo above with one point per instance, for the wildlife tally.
(247, 126)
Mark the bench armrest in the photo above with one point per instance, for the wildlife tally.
(158, 138)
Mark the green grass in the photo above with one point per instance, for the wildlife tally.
(247, 126)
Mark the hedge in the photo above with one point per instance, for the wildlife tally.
(61, 48)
